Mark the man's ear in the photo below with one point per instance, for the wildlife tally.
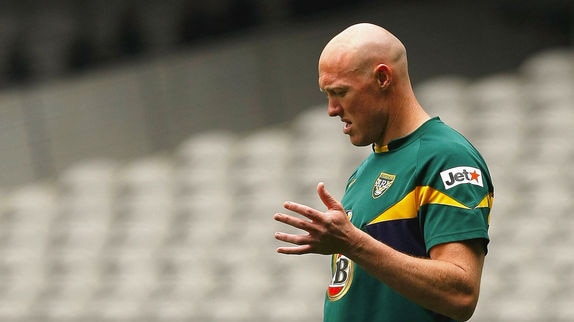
(384, 76)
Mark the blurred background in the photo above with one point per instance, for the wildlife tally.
(145, 146)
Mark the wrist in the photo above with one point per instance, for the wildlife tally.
(357, 243)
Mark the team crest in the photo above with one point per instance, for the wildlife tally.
(349, 214)
(382, 184)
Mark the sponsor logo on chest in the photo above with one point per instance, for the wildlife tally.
(461, 175)
(342, 269)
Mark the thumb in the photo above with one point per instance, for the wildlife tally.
(328, 200)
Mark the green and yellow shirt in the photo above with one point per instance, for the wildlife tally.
(428, 188)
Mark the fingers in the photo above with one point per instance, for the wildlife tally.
(298, 250)
(303, 210)
(328, 200)
(300, 242)
(314, 224)
(293, 221)
(290, 238)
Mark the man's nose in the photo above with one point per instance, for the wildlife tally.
(334, 108)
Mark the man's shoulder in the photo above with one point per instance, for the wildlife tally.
(440, 140)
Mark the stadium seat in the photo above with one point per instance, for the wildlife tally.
(188, 235)
(446, 97)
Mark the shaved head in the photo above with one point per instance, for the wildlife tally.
(363, 72)
(362, 46)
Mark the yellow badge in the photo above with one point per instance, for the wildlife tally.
(382, 184)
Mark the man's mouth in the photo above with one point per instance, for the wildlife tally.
(347, 127)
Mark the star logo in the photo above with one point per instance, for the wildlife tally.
(474, 176)
(461, 175)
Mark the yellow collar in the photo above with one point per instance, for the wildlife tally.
(380, 149)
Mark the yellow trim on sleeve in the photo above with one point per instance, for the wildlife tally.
(428, 195)
(401, 210)
(409, 206)
(486, 202)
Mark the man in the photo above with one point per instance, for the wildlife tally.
(409, 237)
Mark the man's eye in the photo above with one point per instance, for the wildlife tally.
(334, 92)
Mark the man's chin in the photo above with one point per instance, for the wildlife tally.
(358, 142)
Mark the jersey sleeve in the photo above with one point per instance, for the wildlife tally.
(456, 193)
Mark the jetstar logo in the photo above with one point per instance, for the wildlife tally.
(342, 269)
(460, 175)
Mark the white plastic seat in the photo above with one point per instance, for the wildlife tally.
(94, 176)
(150, 175)
(86, 206)
(549, 64)
(260, 162)
(203, 219)
(187, 272)
(204, 149)
(172, 307)
(445, 97)
(117, 307)
(552, 120)
(29, 213)
(203, 163)
(14, 309)
(497, 107)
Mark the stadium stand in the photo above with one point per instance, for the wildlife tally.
(187, 235)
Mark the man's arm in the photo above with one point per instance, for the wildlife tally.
(448, 283)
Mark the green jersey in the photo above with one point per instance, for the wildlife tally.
(428, 188)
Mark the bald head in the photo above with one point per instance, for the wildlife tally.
(363, 70)
(362, 46)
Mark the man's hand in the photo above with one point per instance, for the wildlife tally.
(447, 282)
(328, 232)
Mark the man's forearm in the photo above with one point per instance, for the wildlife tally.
(448, 285)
